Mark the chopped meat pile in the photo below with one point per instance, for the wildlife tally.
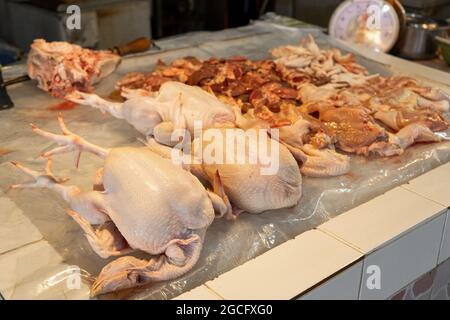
(249, 84)
(321, 99)
(179, 70)
(61, 67)
(308, 63)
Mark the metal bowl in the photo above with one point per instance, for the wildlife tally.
(416, 40)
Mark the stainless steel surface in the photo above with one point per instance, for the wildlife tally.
(416, 41)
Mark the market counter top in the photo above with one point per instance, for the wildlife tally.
(341, 226)
(398, 236)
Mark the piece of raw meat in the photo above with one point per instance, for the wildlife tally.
(60, 67)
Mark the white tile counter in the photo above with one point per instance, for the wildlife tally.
(199, 293)
(16, 229)
(434, 185)
(36, 270)
(343, 286)
(287, 270)
(404, 259)
(404, 233)
(444, 253)
(382, 219)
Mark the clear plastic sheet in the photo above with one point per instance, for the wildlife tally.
(227, 244)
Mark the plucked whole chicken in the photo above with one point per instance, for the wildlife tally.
(271, 181)
(175, 106)
(178, 106)
(146, 203)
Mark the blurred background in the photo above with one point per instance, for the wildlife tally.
(106, 23)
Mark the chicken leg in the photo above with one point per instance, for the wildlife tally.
(106, 240)
(69, 142)
(93, 100)
(139, 112)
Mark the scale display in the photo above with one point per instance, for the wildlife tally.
(373, 23)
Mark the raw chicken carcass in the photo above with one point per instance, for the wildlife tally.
(246, 185)
(147, 203)
(175, 106)
(61, 67)
(261, 176)
(398, 102)
(148, 114)
(355, 130)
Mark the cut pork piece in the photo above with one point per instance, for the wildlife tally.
(61, 67)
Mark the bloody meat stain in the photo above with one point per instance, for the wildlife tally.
(115, 96)
(350, 175)
(4, 151)
(66, 105)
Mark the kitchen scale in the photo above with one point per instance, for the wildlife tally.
(372, 23)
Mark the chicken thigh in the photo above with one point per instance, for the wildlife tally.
(147, 203)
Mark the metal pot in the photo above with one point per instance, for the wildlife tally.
(416, 40)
